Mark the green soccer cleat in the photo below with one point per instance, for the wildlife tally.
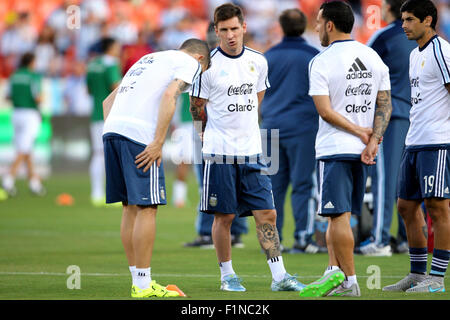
(324, 285)
(154, 291)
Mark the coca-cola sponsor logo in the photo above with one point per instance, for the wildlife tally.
(246, 88)
(364, 89)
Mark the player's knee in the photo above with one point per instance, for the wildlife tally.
(265, 216)
(437, 209)
(223, 219)
(403, 209)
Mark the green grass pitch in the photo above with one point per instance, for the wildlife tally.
(39, 240)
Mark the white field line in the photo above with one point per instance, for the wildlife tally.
(175, 275)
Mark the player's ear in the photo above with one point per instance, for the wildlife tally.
(428, 20)
(244, 26)
(329, 26)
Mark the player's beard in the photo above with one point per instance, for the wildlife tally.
(416, 36)
(325, 41)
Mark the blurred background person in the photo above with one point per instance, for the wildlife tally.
(25, 94)
(47, 58)
(394, 48)
(288, 108)
(103, 76)
(76, 95)
(131, 53)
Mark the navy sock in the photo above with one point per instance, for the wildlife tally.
(439, 262)
(418, 258)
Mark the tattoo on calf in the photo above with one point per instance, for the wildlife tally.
(425, 231)
(269, 240)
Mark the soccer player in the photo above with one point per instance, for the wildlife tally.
(424, 172)
(204, 221)
(288, 107)
(350, 86)
(137, 115)
(394, 48)
(234, 181)
(25, 94)
(103, 76)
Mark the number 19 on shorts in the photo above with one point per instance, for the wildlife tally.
(429, 184)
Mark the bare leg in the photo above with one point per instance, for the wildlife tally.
(439, 211)
(182, 171)
(340, 237)
(144, 236)
(416, 228)
(221, 235)
(179, 185)
(30, 166)
(332, 261)
(126, 232)
(16, 164)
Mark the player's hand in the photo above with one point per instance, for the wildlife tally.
(151, 153)
(365, 134)
(370, 151)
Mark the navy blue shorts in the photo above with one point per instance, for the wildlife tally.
(342, 184)
(235, 188)
(124, 181)
(424, 174)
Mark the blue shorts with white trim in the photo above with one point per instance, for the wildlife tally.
(342, 184)
(237, 187)
(424, 173)
(124, 181)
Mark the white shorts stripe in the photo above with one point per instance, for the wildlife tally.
(440, 174)
(204, 189)
(444, 166)
(207, 185)
(154, 184)
(152, 199)
(157, 182)
(436, 175)
(321, 168)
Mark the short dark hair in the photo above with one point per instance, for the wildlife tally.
(197, 46)
(395, 7)
(421, 9)
(227, 11)
(106, 43)
(26, 60)
(211, 37)
(293, 22)
(340, 13)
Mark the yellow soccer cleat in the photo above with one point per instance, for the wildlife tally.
(154, 291)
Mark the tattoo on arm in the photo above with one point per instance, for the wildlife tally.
(382, 113)
(181, 87)
(269, 240)
(198, 112)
